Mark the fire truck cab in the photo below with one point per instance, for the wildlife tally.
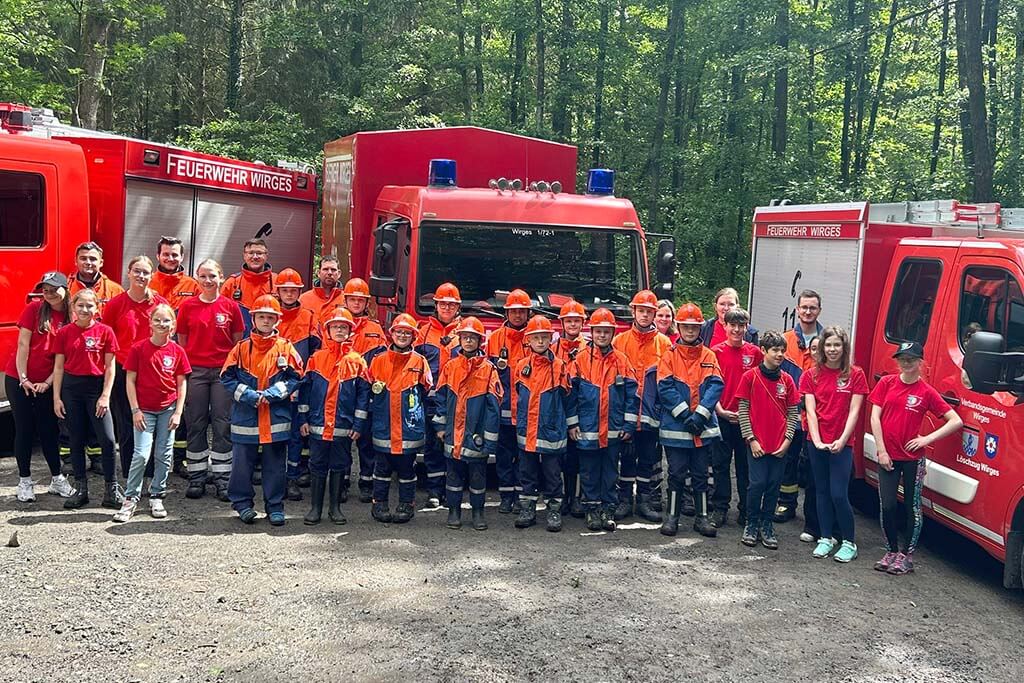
(943, 274)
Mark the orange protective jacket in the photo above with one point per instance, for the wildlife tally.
(606, 396)
(545, 404)
(797, 348)
(267, 367)
(567, 349)
(368, 337)
(468, 408)
(318, 301)
(400, 384)
(245, 287)
(105, 288)
(335, 396)
(298, 325)
(644, 350)
(689, 387)
(177, 287)
(435, 334)
(508, 344)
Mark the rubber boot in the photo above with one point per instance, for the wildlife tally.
(528, 514)
(335, 482)
(644, 510)
(381, 513)
(113, 497)
(554, 518)
(671, 524)
(479, 523)
(316, 497)
(80, 498)
(454, 517)
(701, 524)
(686, 502)
(624, 508)
(293, 491)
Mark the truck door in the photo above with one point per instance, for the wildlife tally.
(976, 470)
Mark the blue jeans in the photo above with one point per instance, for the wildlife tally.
(763, 491)
(158, 438)
(832, 480)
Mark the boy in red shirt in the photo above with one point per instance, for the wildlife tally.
(736, 356)
(768, 415)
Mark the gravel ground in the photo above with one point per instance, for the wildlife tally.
(200, 597)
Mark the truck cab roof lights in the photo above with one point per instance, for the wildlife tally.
(442, 173)
(556, 187)
(601, 182)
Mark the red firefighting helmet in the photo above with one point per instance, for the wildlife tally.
(572, 309)
(289, 277)
(689, 314)
(471, 325)
(646, 299)
(266, 304)
(517, 298)
(602, 317)
(340, 315)
(357, 287)
(404, 321)
(538, 325)
(448, 293)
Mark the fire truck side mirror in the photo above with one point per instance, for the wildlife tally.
(383, 279)
(665, 268)
(990, 369)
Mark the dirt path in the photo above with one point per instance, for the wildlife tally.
(199, 596)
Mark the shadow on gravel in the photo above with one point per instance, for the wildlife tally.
(62, 518)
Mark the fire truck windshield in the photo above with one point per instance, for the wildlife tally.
(553, 264)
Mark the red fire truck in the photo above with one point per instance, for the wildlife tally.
(494, 212)
(60, 186)
(940, 273)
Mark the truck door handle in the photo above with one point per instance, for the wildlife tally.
(951, 400)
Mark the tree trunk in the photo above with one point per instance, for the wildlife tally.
(943, 66)
(234, 73)
(478, 49)
(538, 17)
(678, 107)
(969, 23)
(966, 139)
(844, 143)
(466, 94)
(96, 30)
(517, 113)
(658, 136)
(990, 24)
(879, 86)
(862, 87)
(560, 113)
(1018, 81)
(780, 130)
(602, 58)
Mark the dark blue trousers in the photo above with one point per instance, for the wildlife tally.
(245, 457)
(472, 471)
(384, 465)
(330, 456)
(598, 473)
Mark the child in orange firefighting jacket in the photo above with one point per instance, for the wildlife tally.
(570, 342)
(689, 386)
(545, 415)
(400, 384)
(607, 402)
(333, 404)
(299, 326)
(506, 347)
(468, 414)
(261, 373)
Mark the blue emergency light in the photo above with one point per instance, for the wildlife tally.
(601, 181)
(442, 173)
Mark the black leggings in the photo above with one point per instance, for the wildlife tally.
(912, 473)
(80, 394)
(33, 418)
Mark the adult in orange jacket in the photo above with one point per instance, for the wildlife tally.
(639, 462)
(254, 280)
(325, 295)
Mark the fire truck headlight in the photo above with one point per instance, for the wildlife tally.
(151, 157)
(556, 187)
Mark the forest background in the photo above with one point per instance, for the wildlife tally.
(706, 108)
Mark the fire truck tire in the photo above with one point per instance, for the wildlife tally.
(1013, 570)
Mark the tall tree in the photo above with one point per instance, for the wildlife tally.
(234, 73)
(601, 64)
(883, 67)
(780, 111)
(933, 162)
(673, 33)
(541, 94)
(968, 19)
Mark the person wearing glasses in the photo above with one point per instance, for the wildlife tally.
(254, 280)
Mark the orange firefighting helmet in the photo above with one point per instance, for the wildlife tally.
(341, 315)
(289, 277)
(448, 293)
(645, 298)
(689, 314)
(266, 304)
(356, 287)
(404, 321)
(538, 325)
(572, 309)
(471, 325)
(602, 317)
(517, 298)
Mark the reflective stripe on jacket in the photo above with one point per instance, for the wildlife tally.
(335, 396)
(400, 384)
(545, 406)
(267, 367)
(512, 342)
(468, 407)
(644, 350)
(607, 398)
(689, 381)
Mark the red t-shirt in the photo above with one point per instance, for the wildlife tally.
(209, 328)
(832, 397)
(734, 361)
(157, 368)
(41, 347)
(903, 410)
(130, 320)
(85, 349)
(769, 402)
(718, 334)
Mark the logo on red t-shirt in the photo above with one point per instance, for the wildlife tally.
(221, 319)
(748, 361)
(913, 402)
(780, 389)
(842, 384)
(91, 343)
(168, 363)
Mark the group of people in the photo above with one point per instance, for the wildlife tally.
(264, 382)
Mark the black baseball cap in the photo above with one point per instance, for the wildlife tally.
(54, 279)
(912, 349)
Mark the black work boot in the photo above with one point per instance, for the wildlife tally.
(305, 480)
(365, 494)
(719, 518)
(381, 513)
(80, 498)
(686, 505)
(608, 519)
(316, 496)
(624, 508)
(644, 510)
(593, 520)
(505, 506)
(404, 512)
(293, 491)
(196, 485)
(113, 497)
(671, 524)
(454, 517)
(784, 512)
(334, 498)
(479, 523)
(527, 515)
(554, 520)
(656, 501)
(701, 524)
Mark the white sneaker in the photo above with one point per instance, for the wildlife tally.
(26, 494)
(60, 486)
(806, 537)
(156, 508)
(126, 511)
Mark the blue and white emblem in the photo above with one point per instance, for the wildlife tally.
(991, 445)
(970, 443)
